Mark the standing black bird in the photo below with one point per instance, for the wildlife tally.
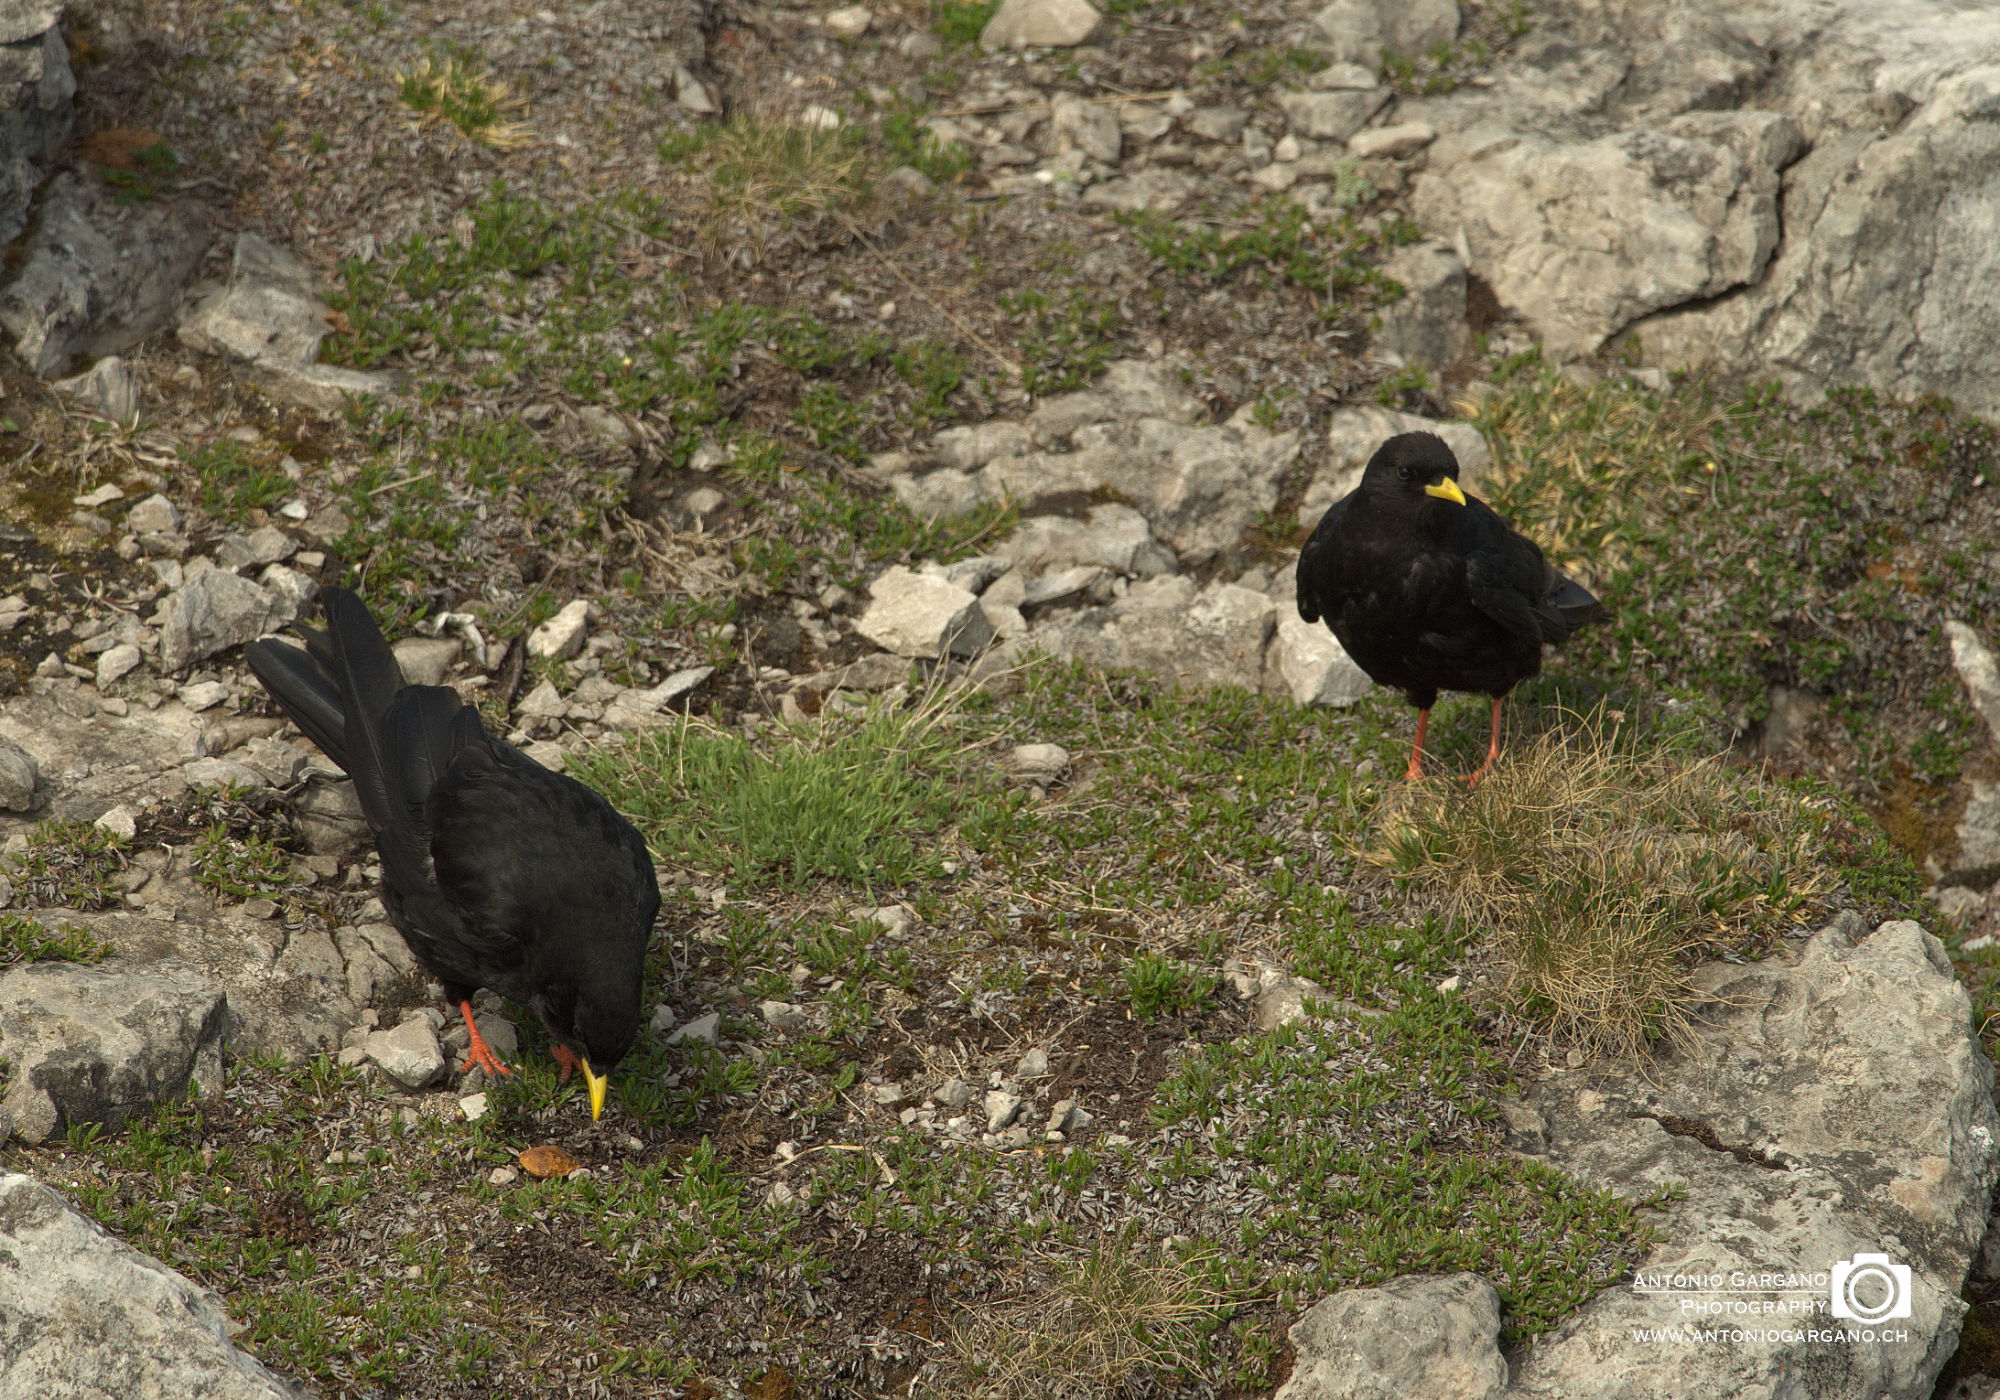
(497, 872)
(1429, 590)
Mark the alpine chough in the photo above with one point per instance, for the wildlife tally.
(497, 872)
(1429, 590)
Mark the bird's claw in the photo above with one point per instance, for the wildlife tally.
(565, 1057)
(482, 1056)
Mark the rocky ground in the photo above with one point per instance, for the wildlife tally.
(705, 392)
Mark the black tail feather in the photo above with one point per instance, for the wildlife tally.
(304, 690)
(1576, 605)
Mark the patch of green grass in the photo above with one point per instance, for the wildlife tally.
(1122, 1313)
(909, 143)
(1159, 986)
(1742, 542)
(850, 800)
(1376, 1154)
(675, 1221)
(234, 479)
(768, 177)
(961, 22)
(1264, 66)
(1065, 341)
(530, 294)
(1278, 242)
(23, 939)
(154, 168)
(71, 864)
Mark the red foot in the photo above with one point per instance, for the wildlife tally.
(1492, 751)
(478, 1052)
(1416, 769)
(565, 1057)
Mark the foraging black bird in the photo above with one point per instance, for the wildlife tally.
(1429, 590)
(497, 872)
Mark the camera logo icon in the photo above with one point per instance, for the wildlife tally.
(1868, 1288)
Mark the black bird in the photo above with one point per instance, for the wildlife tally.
(1428, 590)
(497, 872)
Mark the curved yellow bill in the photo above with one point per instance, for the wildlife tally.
(1446, 490)
(597, 1084)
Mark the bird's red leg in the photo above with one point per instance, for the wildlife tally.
(565, 1057)
(1492, 748)
(1416, 769)
(478, 1052)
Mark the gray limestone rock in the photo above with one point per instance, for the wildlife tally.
(90, 1044)
(1357, 31)
(1308, 663)
(84, 1315)
(216, 610)
(270, 316)
(409, 1054)
(1435, 1336)
(98, 274)
(19, 774)
(426, 660)
(1199, 638)
(36, 86)
(1427, 324)
(1697, 216)
(1331, 116)
(917, 615)
(1040, 24)
(1826, 1109)
(107, 388)
(1087, 127)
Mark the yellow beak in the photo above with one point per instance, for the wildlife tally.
(597, 1084)
(1446, 490)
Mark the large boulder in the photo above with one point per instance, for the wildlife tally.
(1585, 238)
(1825, 1110)
(89, 1318)
(1793, 189)
(36, 86)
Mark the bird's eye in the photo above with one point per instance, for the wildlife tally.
(1405, 473)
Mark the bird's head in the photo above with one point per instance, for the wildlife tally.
(1414, 465)
(597, 1024)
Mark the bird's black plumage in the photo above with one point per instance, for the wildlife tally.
(498, 872)
(1427, 589)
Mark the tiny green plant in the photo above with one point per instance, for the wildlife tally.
(23, 939)
(241, 867)
(71, 864)
(1065, 340)
(236, 479)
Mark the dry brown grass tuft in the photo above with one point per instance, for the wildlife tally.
(1123, 1313)
(1602, 866)
(768, 178)
(469, 97)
